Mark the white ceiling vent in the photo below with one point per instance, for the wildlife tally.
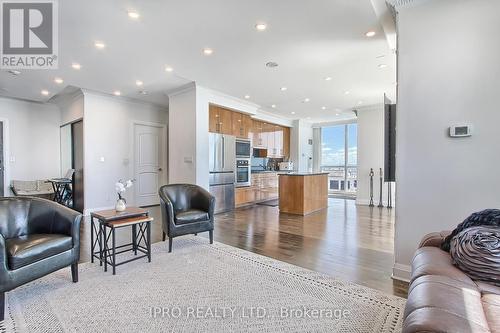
(402, 3)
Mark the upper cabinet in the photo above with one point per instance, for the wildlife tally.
(241, 125)
(286, 142)
(259, 137)
(275, 141)
(220, 120)
(274, 138)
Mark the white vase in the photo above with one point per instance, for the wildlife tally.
(120, 205)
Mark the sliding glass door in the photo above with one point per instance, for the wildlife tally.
(339, 157)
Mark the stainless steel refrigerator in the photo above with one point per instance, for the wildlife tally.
(222, 159)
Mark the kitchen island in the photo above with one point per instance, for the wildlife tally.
(303, 193)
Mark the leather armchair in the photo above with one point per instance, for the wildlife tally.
(37, 237)
(186, 209)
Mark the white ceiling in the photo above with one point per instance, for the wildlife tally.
(310, 40)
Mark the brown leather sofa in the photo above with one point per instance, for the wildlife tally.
(441, 298)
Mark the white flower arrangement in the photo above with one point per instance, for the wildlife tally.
(122, 186)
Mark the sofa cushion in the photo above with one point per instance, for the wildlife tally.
(476, 251)
(434, 261)
(442, 304)
(491, 307)
(25, 250)
(190, 216)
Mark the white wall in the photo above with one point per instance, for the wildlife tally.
(182, 137)
(71, 107)
(300, 149)
(108, 128)
(371, 154)
(33, 140)
(448, 73)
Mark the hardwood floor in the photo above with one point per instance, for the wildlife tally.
(354, 243)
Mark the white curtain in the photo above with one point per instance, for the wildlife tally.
(317, 149)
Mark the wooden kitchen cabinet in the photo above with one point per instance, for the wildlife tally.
(274, 138)
(286, 142)
(220, 120)
(226, 121)
(213, 119)
(237, 126)
(248, 126)
(259, 138)
(241, 125)
(244, 196)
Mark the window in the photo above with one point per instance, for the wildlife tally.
(339, 156)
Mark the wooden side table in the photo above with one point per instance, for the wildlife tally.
(136, 218)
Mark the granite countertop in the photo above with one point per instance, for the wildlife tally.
(296, 173)
(264, 171)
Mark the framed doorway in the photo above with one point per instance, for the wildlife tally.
(72, 158)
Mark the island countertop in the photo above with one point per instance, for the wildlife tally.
(297, 173)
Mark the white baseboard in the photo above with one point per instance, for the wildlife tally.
(401, 272)
(363, 202)
(87, 211)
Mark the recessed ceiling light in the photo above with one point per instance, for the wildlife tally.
(133, 14)
(58, 80)
(117, 93)
(169, 69)
(247, 96)
(347, 92)
(76, 66)
(370, 33)
(283, 88)
(323, 108)
(261, 26)
(99, 45)
(44, 92)
(337, 114)
(139, 83)
(328, 78)
(382, 66)
(273, 106)
(208, 51)
(306, 100)
(14, 72)
(293, 112)
(271, 64)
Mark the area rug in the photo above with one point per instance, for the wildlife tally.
(200, 288)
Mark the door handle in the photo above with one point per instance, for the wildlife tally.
(160, 169)
(223, 153)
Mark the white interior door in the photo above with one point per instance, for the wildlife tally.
(149, 166)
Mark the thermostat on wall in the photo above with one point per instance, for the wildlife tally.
(460, 131)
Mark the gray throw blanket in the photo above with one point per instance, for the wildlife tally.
(487, 217)
(476, 251)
